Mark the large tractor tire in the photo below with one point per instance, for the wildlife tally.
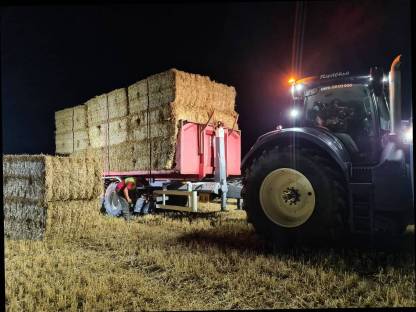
(295, 197)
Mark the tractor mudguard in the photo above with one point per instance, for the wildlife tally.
(322, 139)
(392, 181)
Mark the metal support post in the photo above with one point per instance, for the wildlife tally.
(220, 166)
(164, 195)
(194, 199)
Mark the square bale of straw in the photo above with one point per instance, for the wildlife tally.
(118, 131)
(98, 135)
(80, 117)
(137, 94)
(64, 143)
(81, 140)
(97, 112)
(64, 120)
(117, 103)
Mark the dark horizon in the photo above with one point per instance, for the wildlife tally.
(54, 57)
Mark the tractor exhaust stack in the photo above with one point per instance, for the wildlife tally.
(395, 96)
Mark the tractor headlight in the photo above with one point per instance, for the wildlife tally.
(294, 113)
(407, 136)
(299, 87)
(296, 89)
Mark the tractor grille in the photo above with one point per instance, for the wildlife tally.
(361, 175)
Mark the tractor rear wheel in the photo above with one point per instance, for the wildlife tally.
(294, 197)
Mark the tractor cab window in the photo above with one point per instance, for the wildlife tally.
(344, 109)
(383, 112)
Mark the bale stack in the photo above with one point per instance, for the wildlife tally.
(129, 128)
(45, 196)
(158, 103)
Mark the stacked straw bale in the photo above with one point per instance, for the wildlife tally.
(43, 195)
(127, 126)
(71, 132)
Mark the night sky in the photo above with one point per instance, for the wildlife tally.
(58, 57)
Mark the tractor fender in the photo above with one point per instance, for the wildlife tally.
(322, 139)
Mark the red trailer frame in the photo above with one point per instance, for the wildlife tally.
(195, 155)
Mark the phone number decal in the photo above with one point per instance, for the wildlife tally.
(347, 85)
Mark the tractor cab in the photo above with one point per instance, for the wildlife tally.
(352, 108)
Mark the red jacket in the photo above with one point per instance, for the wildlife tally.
(122, 185)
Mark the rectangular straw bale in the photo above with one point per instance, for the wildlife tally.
(97, 110)
(157, 115)
(163, 97)
(63, 219)
(121, 157)
(137, 94)
(117, 103)
(29, 187)
(118, 131)
(72, 219)
(97, 135)
(114, 132)
(64, 142)
(80, 117)
(162, 81)
(66, 179)
(191, 90)
(162, 154)
(202, 116)
(107, 107)
(21, 210)
(63, 120)
(26, 229)
(81, 140)
(161, 129)
(24, 166)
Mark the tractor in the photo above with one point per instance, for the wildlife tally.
(344, 166)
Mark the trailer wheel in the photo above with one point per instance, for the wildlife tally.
(290, 200)
(114, 205)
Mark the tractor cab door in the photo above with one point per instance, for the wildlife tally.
(347, 111)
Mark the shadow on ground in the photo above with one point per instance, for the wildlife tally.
(356, 253)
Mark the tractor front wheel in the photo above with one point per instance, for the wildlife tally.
(293, 196)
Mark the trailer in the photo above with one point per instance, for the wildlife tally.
(207, 166)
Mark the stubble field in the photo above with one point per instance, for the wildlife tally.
(174, 261)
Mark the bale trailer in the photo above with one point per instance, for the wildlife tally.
(207, 166)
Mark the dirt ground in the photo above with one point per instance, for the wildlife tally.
(171, 261)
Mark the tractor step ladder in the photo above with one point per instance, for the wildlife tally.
(361, 214)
